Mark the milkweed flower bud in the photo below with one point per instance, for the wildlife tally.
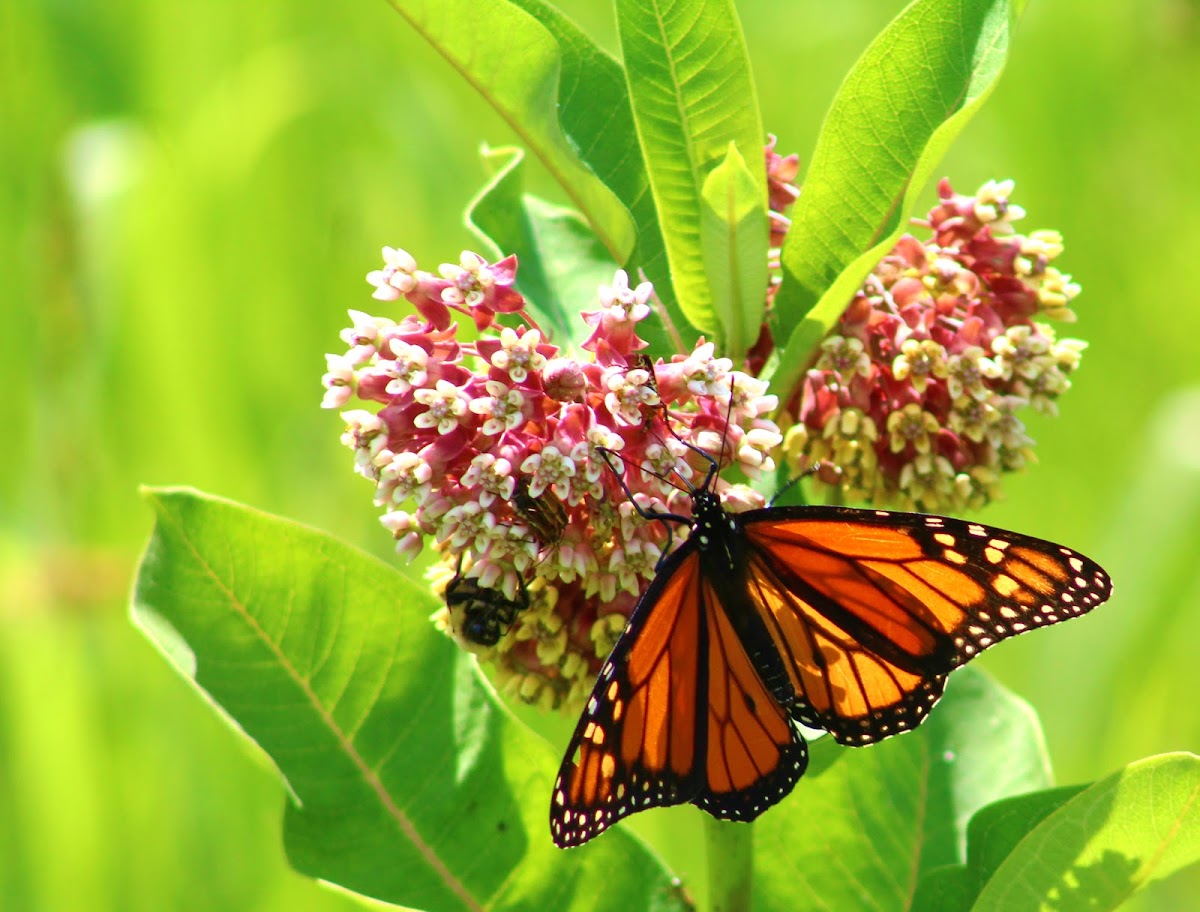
(565, 380)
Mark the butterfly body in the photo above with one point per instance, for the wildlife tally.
(839, 619)
(720, 540)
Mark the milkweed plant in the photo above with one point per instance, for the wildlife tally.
(696, 299)
(940, 349)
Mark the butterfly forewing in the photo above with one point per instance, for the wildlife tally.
(870, 610)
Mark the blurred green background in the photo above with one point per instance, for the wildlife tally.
(190, 195)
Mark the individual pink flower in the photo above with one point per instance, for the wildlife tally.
(517, 355)
(338, 381)
(621, 309)
(397, 277)
(445, 407)
(483, 289)
(502, 407)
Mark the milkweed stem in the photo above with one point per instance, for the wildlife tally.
(730, 849)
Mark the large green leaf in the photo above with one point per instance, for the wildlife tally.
(595, 113)
(900, 107)
(991, 835)
(561, 262)
(1095, 848)
(408, 782)
(734, 241)
(553, 83)
(515, 63)
(865, 831)
(693, 95)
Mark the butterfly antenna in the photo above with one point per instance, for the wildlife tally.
(793, 481)
(714, 464)
(819, 467)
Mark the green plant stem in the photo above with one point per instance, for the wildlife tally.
(730, 850)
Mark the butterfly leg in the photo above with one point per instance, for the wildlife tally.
(665, 518)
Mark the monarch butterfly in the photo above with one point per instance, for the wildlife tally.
(840, 619)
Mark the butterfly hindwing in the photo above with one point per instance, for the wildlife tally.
(870, 610)
(638, 738)
(753, 755)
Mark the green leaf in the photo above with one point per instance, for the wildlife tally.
(991, 836)
(890, 813)
(998, 828)
(515, 63)
(580, 95)
(408, 782)
(944, 889)
(561, 264)
(1100, 846)
(823, 752)
(595, 113)
(693, 94)
(734, 232)
(900, 107)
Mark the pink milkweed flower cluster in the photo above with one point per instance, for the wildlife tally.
(916, 395)
(448, 428)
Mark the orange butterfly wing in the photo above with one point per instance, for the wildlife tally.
(753, 755)
(868, 611)
(678, 714)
